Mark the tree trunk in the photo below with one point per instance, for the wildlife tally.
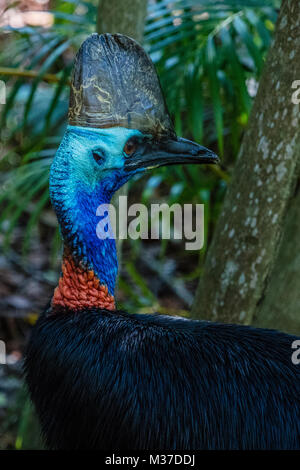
(126, 17)
(238, 283)
(280, 307)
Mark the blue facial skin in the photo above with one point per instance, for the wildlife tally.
(79, 184)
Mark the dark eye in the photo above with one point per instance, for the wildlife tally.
(98, 156)
(130, 146)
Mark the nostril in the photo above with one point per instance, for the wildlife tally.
(98, 156)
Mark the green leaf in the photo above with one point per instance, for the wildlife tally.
(214, 84)
(242, 29)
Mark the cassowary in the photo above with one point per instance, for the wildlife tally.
(101, 378)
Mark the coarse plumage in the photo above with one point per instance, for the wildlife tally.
(110, 380)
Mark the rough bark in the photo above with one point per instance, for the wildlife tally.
(250, 228)
(126, 17)
(280, 306)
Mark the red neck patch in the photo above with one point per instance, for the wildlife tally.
(79, 288)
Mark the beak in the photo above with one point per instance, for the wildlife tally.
(169, 152)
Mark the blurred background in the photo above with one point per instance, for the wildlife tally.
(209, 56)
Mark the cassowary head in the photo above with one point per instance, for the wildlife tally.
(118, 121)
(118, 126)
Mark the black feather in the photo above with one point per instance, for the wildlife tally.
(110, 380)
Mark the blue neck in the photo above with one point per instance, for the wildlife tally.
(75, 204)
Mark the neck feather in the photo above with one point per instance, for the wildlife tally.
(90, 266)
(80, 288)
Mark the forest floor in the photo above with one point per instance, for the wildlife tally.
(24, 293)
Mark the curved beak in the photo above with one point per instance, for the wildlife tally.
(169, 152)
